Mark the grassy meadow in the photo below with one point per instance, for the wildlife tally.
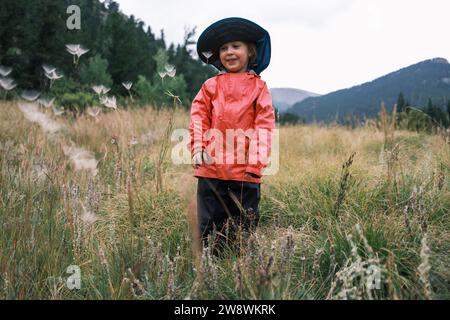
(344, 204)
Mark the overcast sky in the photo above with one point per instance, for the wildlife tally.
(318, 46)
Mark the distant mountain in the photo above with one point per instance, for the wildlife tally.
(418, 82)
(284, 98)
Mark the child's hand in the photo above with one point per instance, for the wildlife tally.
(197, 160)
(201, 157)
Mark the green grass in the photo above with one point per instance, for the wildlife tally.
(142, 247)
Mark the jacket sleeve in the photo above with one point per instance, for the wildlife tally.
(264, 124)
(200, 120)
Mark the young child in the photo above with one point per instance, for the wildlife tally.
(232, 107)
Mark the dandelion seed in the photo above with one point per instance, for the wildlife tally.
(169, 68)
(207, 55)
(93, 111)
(46, 102)
(5, 71)
(7, 83)
(88, 217)
(101, 89)
(32, 113)
(72, 48)
(54, 75)
(127, 85)
(109, 102)
(48, 69)
(133, 141)
(82, 159)
(77, 51)
(30, 95)
(105, 90)
(98, 89)
(58, 111)
(172, 73)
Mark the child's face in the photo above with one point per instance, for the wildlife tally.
(234, 56)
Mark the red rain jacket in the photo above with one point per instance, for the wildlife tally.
(232, 101)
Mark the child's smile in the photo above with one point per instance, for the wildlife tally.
(234, 56)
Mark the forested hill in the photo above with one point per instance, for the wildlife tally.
(34, 33)
(419, 83)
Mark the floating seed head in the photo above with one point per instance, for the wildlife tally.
(48, 69)
(46, 102)
(127, 85)
(93, 111)
(172, 73)
(53, 75)
(5, 71)
(109, 102)
(101, 89)
(207, 54)
(57, 111)
(30, 95)
(76, 49)
(169, 67)
(7, 84)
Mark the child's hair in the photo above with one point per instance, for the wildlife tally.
(253, 53)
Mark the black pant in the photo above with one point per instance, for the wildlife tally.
(226, 206)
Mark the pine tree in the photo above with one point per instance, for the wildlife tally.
(401, 103)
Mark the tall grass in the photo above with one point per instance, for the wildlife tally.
(131, 228)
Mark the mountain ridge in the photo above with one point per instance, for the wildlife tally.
(418, 82)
